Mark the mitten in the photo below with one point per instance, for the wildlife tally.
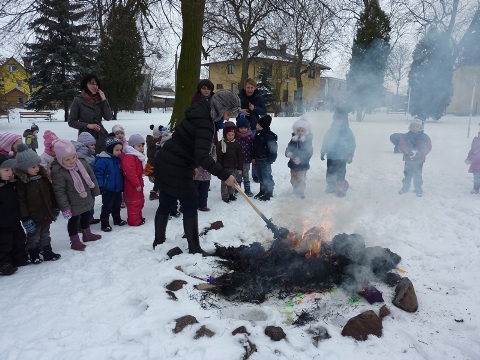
(349, 160)
(322, 157)
(148, 170)
(289, 154)
(296, 160)
(67, 214)
(412, 154)
(29, 225)
(56, 212)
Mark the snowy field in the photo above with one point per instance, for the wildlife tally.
(109, 302)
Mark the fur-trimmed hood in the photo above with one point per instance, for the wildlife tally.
(3, 183)
(25, 178)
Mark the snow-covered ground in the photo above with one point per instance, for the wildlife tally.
(109, 302)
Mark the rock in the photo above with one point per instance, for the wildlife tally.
(405, 297)
(360, 326)
(172, 295)
(175, 251)
(240, 330)
(318, 334)
(275, 333)
(203, 331)
(176, 285)
(183, 322)
(384, 311)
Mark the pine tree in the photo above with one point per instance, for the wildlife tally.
(370, 52)
(265, 88)
(60, 56)
(430, 76)
(121, 59)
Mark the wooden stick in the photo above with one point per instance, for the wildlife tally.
(239, 189)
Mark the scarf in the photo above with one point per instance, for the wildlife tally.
(298, 138)
(90, 99)
(224, 144)
(130, 150)
(77, 179)
(248, 134)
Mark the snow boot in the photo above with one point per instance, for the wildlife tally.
(153, 196)
(88, 236)
(76, 244)
(476, 188)
(105, 225)
(161, 222)
(247, 189)
(117, 220)
(49, 255)
(7, 269)
(35, 256)
(260, 193)
(190, 226)
(267, 196)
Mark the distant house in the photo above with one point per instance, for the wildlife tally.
(332, 91)
(14, 88)
(279, 66)
(163, 98)
(463, 78)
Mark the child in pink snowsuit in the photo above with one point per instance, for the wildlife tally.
(133, 163)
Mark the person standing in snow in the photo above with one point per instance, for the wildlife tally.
(133, 163)
(299, 151)
(176, 163)
(88, 109)
(415, 145)
(30, 136)
(204, 91)
(244, 138)
(153, 144)
(9, 143)
(473, 159)
(48, 154)
(339, 147)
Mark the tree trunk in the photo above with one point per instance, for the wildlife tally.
(65, 106)
(188, 71)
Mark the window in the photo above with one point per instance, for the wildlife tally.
(219, 86)
(19, 84)
(20, 100)
(311, 73)
(12, 68)
(292, 72)
(230, 68)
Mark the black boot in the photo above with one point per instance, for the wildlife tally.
(105, 225)
(49, 255)
(260, 193)
(117, 220)
(267, 196)
(190, 226)
(161, 222)
(35, 256)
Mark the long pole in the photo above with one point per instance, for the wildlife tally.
(408, 103)
(471, 104)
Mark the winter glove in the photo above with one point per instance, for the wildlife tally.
(412, 154)
(349, 160)
(56, 212)
(239, 172)
(296, 160)
(322, 157)
(289, 154)
(148, 171)
(29, 225)
(67, 214)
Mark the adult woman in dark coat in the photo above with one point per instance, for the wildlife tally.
(176, 164)
(88, 109)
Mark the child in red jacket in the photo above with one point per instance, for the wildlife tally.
(473, 158)
(133, 163)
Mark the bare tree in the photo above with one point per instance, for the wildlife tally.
(398, 64)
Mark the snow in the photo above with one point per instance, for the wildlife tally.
(109, 302)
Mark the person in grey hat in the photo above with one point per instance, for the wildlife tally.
(35, 191)
(176, 164)
(12, 235)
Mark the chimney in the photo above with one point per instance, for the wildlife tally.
(262, 45)
(26, 63)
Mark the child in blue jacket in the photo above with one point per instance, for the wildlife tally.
(110, 180)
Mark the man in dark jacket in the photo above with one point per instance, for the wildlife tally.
(176, 164)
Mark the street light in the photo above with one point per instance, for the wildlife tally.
(287, 80)
(2, 98)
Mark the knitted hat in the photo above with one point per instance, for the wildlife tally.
(6, 162)
(415, 121)
(26, 158)
(156, 130)
(229, 127)
(136, 139)
(242, 122)
(63, 148)
(86, 139)
(112, 140)
(7, 140)
(48, 138)
(222, 101)
(265, 121)
(302, 123)
(34, 127)
(166, 136)
(340, 114)
(205, 82)
(117, 128)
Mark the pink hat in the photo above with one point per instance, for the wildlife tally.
(7, 140)
(63, 148)
(48, 138)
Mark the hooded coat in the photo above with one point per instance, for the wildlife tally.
(301, 148)
(474, 155)
(257, 100)
(188, 148)
(82, 113)
(339, 142)
(418, 141)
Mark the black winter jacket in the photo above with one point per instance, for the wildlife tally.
(265, 145)
(257, 100)
(302, 150)
(10, 218)
(188, 148)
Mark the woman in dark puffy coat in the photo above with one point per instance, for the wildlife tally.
(177, 163)
(88, 109)
(299, 150)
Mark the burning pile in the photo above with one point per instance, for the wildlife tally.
(302, 263)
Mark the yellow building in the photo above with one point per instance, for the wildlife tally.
(463, 78)
(14, 88)
(280, 68)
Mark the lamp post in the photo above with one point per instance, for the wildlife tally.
(2, 98)
(287, 80)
